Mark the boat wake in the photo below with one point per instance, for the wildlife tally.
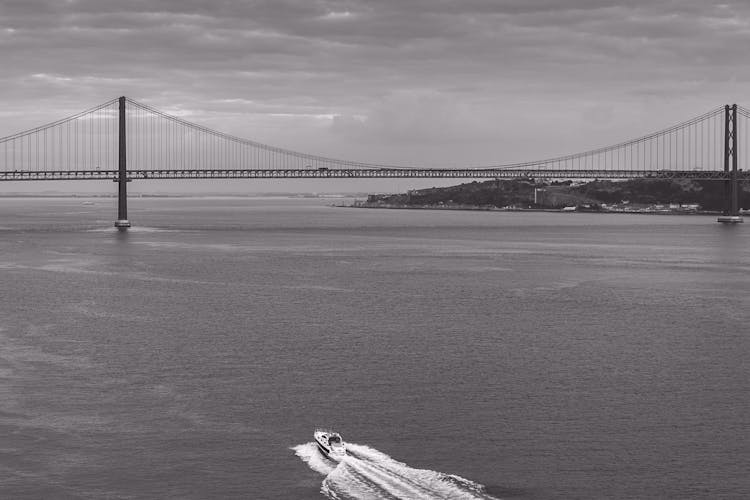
(367, 473)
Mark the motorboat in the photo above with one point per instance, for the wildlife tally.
(330, 444)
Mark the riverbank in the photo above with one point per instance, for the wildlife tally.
(657, 196)
(640, 211)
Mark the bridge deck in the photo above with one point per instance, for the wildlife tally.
(218, 173)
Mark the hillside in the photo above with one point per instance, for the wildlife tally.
(594, 195)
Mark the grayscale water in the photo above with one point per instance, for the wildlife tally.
(463, 354)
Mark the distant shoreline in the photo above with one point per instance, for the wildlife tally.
(546, 210)
(639, 196)
(360, 204)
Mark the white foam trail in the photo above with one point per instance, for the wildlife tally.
(367, 473)
(312, 457)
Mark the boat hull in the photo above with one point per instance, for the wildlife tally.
(321, 439)
(322, 449)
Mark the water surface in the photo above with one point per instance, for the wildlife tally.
(513, 355)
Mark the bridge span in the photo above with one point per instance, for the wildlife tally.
(124, 140)
(382, 173)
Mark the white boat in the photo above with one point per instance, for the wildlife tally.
(330, 444)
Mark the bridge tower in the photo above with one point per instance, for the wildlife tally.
(731, 213)
(122, 180)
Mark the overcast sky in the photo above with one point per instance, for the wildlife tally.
(428, 82)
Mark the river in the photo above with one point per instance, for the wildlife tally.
(462, 354)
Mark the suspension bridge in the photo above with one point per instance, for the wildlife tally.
(124, 140)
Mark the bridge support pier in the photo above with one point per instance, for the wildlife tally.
(122, 180)
(731, 213)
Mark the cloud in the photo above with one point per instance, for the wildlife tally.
(446, 79)
(420, 116)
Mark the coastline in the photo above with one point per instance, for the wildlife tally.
(634, 196)
(476, 208)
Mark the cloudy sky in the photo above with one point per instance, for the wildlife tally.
(428, 82)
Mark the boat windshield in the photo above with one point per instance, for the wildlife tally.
(334, 440)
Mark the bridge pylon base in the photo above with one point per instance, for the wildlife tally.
(730, 219)
(122, 224)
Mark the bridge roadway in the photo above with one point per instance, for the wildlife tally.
(499, 173)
